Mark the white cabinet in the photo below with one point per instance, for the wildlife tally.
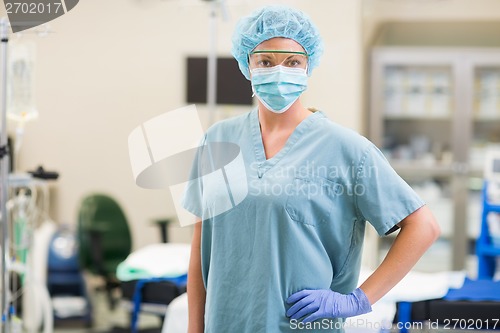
(434, 111)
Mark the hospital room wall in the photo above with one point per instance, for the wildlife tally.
(377, 11)
(110, 65)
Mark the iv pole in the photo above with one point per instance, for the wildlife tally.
(212, 59)
(212, 65)
(4, 173)
(4, 192)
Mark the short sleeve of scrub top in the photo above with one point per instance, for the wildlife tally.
(300, 225)
(382, 197)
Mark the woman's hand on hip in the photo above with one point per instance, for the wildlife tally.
(325, 303)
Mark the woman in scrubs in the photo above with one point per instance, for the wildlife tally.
(286, 258)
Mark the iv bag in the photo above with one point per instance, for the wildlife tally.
(21, 82)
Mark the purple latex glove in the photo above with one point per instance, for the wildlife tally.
(327, 304)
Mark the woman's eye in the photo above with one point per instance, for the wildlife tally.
(293, 63)
(264, 63)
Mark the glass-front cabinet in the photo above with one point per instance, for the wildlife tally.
(484, 72)
(434, 112)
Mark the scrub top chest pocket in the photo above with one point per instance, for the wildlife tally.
(312, 199)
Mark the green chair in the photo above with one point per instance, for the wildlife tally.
(104, 238)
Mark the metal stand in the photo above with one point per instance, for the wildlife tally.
(212, 66)
(212, 59)
(4, 173)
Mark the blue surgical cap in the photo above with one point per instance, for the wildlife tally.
(275, 21)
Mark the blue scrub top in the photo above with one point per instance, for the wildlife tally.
(300, 225)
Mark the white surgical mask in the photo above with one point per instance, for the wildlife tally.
(278, 87)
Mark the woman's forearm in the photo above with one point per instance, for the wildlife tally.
(195, 288)
(418, 231)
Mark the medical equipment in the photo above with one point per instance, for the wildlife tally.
(21, 88)
(276, 21)
(18, 99)
(27, 208)
(21, 106)
(4, 169)
(21, 82)
(65, 279)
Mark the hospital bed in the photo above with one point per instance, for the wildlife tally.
(151, 295)
(149, 285)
